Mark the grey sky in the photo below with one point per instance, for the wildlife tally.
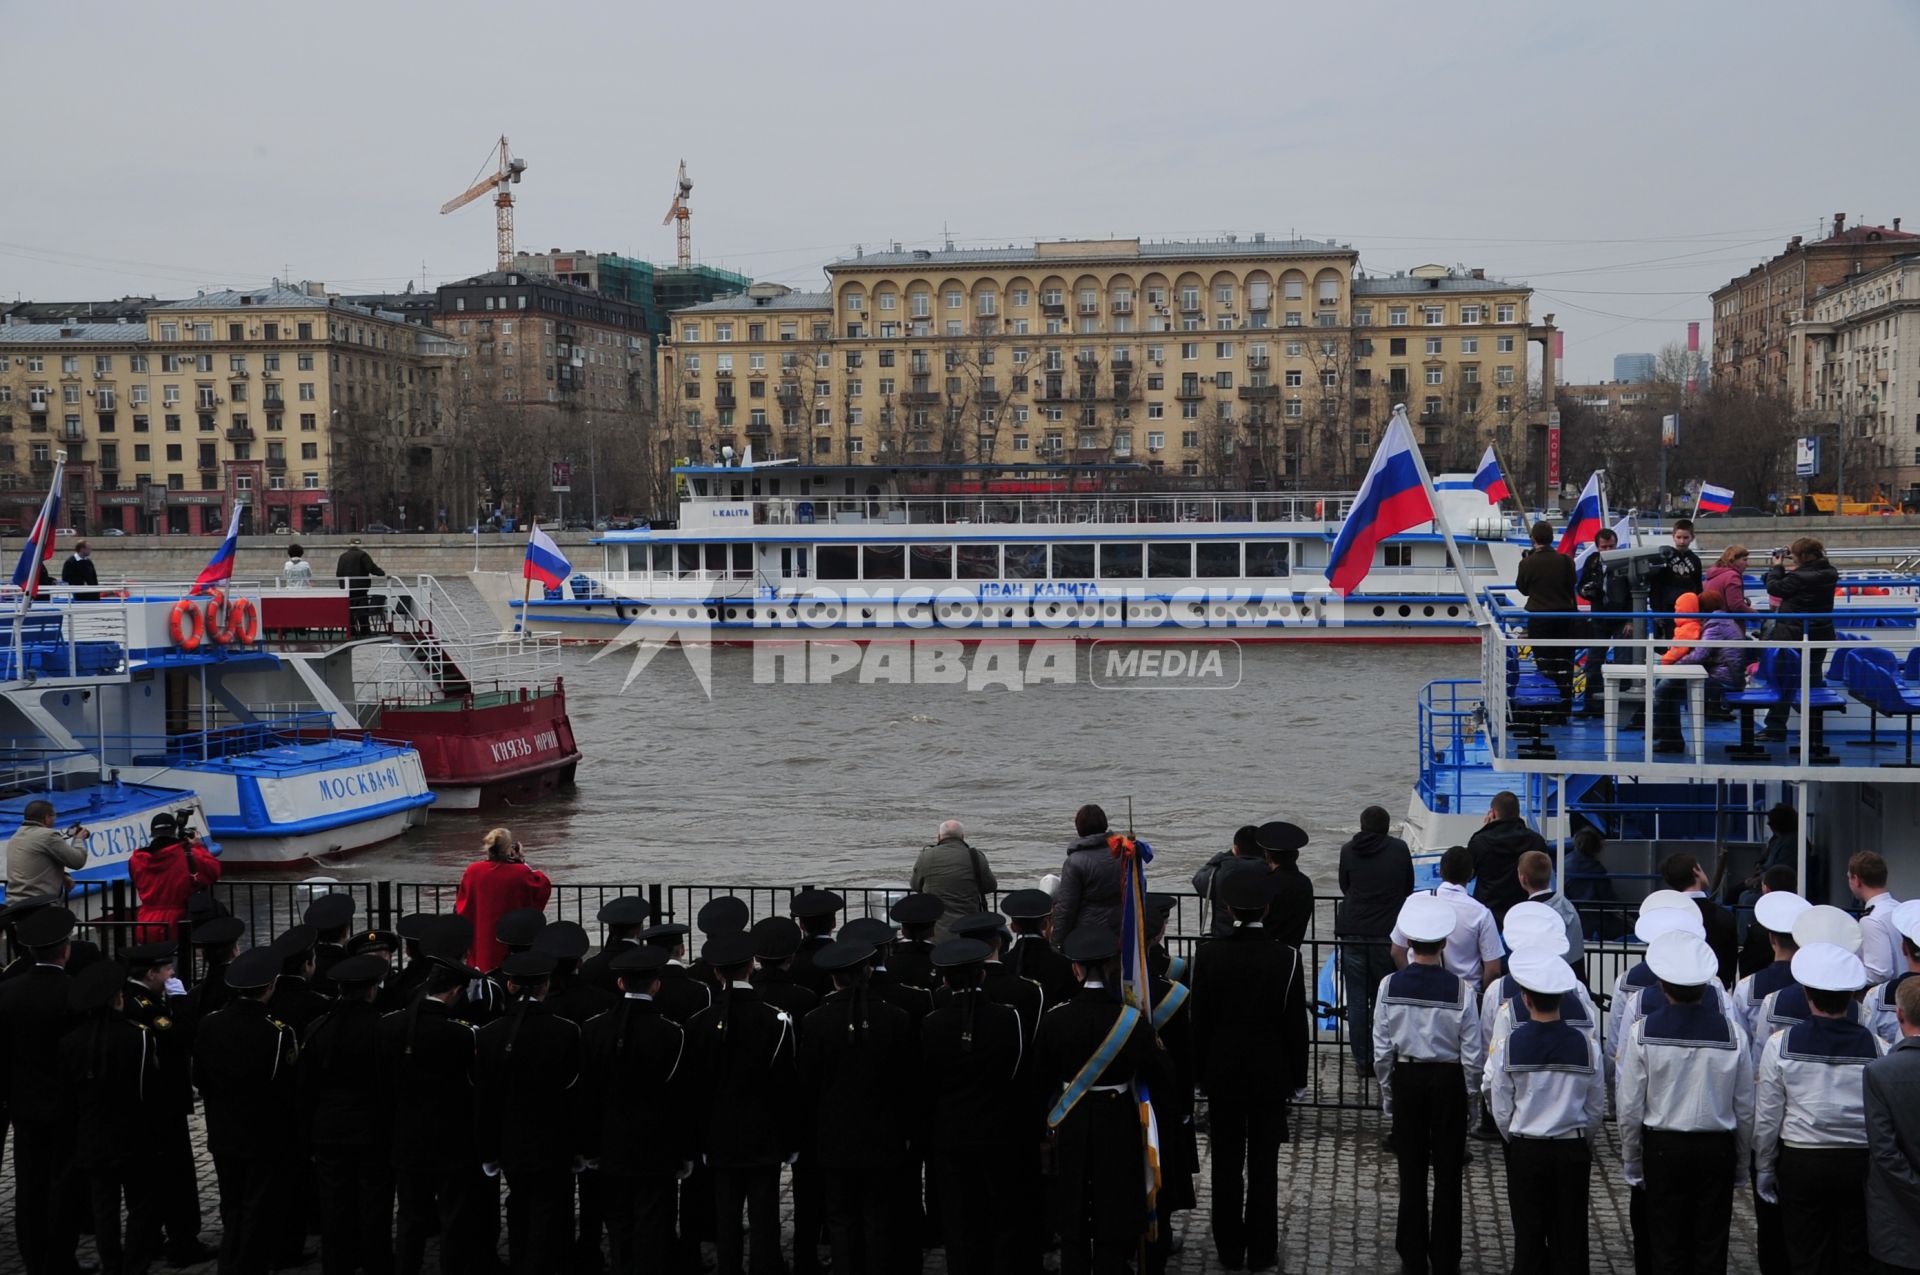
(1624, 158)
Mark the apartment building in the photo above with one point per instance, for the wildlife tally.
(1854, 372)
(307, 410)
(1256, 361)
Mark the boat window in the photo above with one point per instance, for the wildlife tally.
(699, 486)
(688, 560)
(1170, 562)
(1217, 559)
(1267, 559)
(743, 559)
(1120, 562)
(1073, 562)
(663, 560)
(932, 562)
(836, 562)
(883, 562)
(979, 562)
(716, 557)
(1026, 562)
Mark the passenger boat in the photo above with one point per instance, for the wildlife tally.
(783, 550)
(162, 691)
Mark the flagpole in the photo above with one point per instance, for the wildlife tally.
(1696, 499)
(1513, 490)
(526, 593)
(36, 549)
(1439, 512)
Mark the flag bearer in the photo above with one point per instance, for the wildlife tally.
(1426, 1049)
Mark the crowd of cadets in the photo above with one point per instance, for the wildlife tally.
(979, 1093)
(1772, 1084)
(373, 1088)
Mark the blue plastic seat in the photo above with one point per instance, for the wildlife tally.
(1879, 686)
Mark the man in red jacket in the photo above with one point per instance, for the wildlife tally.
(165, 872)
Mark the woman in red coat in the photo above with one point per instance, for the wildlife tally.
(165, 872)
(493, 887)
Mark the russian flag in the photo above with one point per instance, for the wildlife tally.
(1489, 479)
(1583, 524)
(1715, 500)
(1393, 498)
(545, 563)
(39, 546)
(219, 568)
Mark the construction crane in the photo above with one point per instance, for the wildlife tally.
(679, 213)
(501, 183)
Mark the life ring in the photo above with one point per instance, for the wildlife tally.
(186, 625)
(216, 612)
(243, 622)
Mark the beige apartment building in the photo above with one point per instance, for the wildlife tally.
(310, 411)
(1236, 362)
(1854, 372)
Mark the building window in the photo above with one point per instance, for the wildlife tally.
(1469, 314)
(1503, 376)
(1469, 345)
(1503, 345)
(1433, 345)
(1503, 314)
(1433, 315)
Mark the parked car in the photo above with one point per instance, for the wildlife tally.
(577, 524)
(113, 531)
(282, 529)
(377, 529)
(620, 523)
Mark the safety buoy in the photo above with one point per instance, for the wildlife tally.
(216, 615)
(243, 621)
(186, 625)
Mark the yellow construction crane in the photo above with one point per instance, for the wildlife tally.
(501, 183)
(679, 213)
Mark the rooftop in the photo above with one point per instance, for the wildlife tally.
(1422, 279)
(124, 310)
(73, 333)
(1068, 251)
(741, 303)
(276, 296)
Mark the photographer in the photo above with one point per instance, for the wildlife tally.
(1801, 583)
(165, 873)
(1605, 589)
(39, 859)
(495, 886)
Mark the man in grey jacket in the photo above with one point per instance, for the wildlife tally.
(38, 858)
(956, 874)
(1090, 887)
(1892, 1086)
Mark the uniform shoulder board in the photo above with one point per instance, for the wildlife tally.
(783, 1016)
(138, 1024)
(277, 1023)
(161, 1023)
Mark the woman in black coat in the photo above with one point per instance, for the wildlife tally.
(1801, 583)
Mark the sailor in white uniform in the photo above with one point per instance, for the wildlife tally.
(1662, 912)
(1774, 913)
(1532, 925)
(1810, 1128)
(1684, 1101)
(1883, 1015)
(1787, 1006)
(1426, 1050)
(1549, 1100)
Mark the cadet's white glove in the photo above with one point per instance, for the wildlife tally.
(1300, 1094)
(491, 1170)
(1636, 1178)
(176, 988)
(1767, 1185)
(795, 1156)
(686, 1170)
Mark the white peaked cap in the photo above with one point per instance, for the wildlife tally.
(1535, 925)
(1906, 919)
(1652, 925)
(1681, 959)
(1778, 910)
(1539, 969)
(1425, 918)
(1666, 899)
(1824, 923)
(1828, 967)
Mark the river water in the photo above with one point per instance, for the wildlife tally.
(778, 782)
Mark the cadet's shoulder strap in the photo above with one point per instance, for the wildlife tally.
(1082, 1083)
(1169, 1005)
(1177, 970)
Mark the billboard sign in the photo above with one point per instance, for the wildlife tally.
(1806, 456)
(562, 476)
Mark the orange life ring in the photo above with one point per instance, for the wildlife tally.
(243, 622)
(186, 625)
(217, 613)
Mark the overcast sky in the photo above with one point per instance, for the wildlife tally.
(1624, 158)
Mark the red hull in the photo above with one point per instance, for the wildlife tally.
(479, 753)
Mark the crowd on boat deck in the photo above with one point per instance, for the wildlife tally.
(1705, 616)
(961, 1076)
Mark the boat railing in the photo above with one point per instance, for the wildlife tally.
(1046, 510)
(65, 632)
(1848, 701)
(31, 766)
(216, 735)
(1450, 714)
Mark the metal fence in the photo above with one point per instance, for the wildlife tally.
(271, 907)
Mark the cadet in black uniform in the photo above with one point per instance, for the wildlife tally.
(35, 1012)
(344, 1110)
(528, 1064)
(623, 918)
(218, 941)
(1172, 1104)
(775, 941)
(722, 915)
(1030, 913)
(295, 1000)
(1003, 987)
(412, 931)
(976, 1112)
(426, 1058)
(243, 1065)
(816, 911)
(110, 1071)
(681, 995)
(916, 1000)
(742, 1053)
(1085, 1071)
(1250, 1031)
(912, 959)
(578, 1001)
(383, 944)
(634, 1085)
(857, 1080)
(169, 1099)
(331, 916)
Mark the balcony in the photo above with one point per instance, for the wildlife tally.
(38, 407)
(1089, 308)
(1053, 309)
(41, 464)
(921, 398)
(723, 398)
(1087, 362)
(789, 395)
(240, 434)
(1258, 362)
(989, 398)
(276, 464)
(1122, 306)
(1053, 392)
(1258, 393)
(1190, 392)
